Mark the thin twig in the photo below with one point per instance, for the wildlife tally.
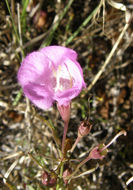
(108, 59)
(129, 180)
(28, 121)
(75, 144)
(13, 155)
(13, 23)
(87, 172)
(85, 22)
(19, 30)
(10, 169)
(56, 23)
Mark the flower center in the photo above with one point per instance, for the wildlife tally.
(63, 79)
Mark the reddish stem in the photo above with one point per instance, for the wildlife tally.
(64, 135)
(123, 132)
(75, 144)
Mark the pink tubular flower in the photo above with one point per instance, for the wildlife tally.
(51, 74)
(64, 112)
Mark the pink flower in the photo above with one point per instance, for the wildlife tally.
(100, 151)
(64, 112)
(96, 152)
(49, 179)
(66, 173)
(51, 74)
(84, 128)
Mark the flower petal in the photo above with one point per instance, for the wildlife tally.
(57, 53)
(34, 76)
(64, 98)
(75, 71)
(36, 68)
(51, 74)
(39, 95)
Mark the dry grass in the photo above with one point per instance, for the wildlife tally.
(103, 38)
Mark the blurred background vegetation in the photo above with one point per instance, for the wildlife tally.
(101, 32)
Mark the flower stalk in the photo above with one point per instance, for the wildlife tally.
(64, 136)
(75, 144)
(83, 130)
(98, 152)
(123, 132)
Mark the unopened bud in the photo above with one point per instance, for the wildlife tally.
(96, 152)
(49, 179)
(66, 173)
(64, 111)
(100, 151)
(84, 128)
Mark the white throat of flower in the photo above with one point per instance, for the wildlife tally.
(63, 78)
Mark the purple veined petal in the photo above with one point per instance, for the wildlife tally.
(39, 95)
(35, 77)
(51, 74)
(36, 67)
(57, 53)
(76, 73)
(71, 81)
(65, 97)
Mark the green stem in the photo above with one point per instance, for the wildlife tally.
(56, 24)
(79, 166)
(18, 97)
(14, 27)
(85, 22)
(57, 186)
(60, 176)
(61, 169)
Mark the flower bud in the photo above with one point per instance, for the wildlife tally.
(100, 151)
(40, 19)
(84, 128)
(97, 153)
(66, 173)
(64, 111)
(49, 179)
